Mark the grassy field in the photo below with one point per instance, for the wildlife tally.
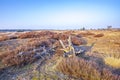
(38, 55)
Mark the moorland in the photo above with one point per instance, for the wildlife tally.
(49, 55)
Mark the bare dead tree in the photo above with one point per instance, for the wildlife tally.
(75, 50)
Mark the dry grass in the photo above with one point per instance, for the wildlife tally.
(108, 44)
(112, 61)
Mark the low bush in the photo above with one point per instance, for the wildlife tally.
(99, 35)
(60, 36)
(18, 60)
(3, 38)
(12, 57)
(34, 34)
(78, 41)
(84, 34)
(86, 70)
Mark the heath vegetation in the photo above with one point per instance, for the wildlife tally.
(60, 55)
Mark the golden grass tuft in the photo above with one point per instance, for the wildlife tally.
(112, 61)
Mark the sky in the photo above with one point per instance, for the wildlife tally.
(59, 14)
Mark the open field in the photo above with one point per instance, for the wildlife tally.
(38, 55)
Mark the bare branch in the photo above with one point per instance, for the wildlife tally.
(62, 44)
(69, 41)
(73, 50)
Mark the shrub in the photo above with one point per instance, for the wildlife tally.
(11, 57)
(78, 41)
(18, 59)
(86, 70)
(34, 34)
(107, 75)
(3, 38)
(79, 68)
(99, 35)
(55, 36)
(60, 36)
(63, 36)
(36, 42)
(59, 52)
(85, 34)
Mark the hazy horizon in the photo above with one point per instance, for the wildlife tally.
(59, 14)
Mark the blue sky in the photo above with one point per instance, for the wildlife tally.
(59, 14)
